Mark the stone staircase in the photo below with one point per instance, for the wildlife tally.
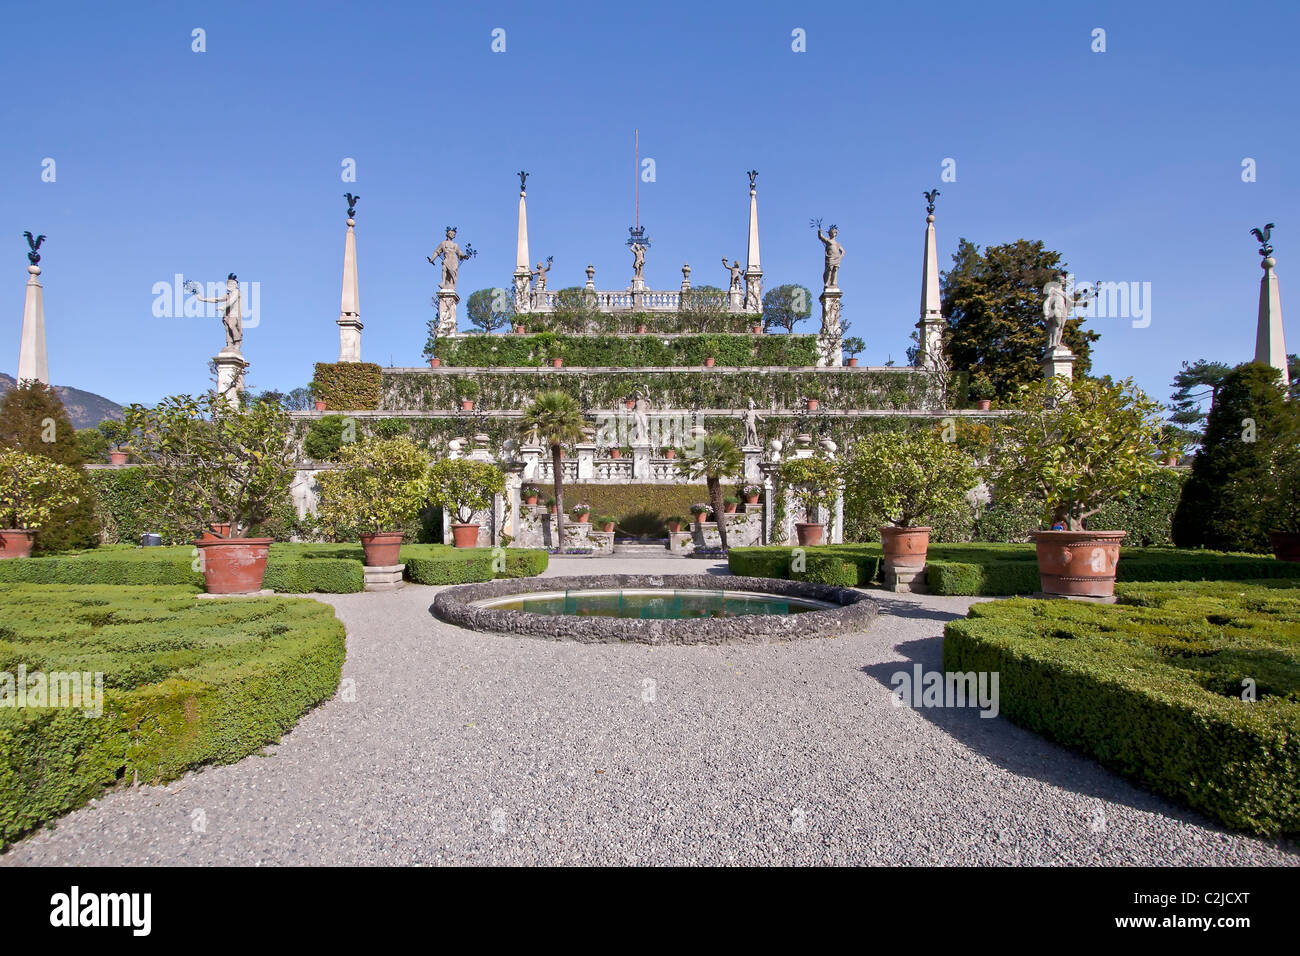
(641, 549)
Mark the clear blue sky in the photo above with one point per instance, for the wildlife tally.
(1128, 161)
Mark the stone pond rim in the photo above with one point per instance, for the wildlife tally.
(853, 611)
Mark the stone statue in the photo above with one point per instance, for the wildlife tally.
(352, 204)
(638, 261)
(34, 257)
(231, 320)
(1056, 309)
(1265, 249)
(751, 419)
(540, 274)
(834, 255)
(736, 279)
(452, 257)
(641, 420)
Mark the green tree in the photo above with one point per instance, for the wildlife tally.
(906, 478)
(718, 460)
(1232, 499)
(379, 486)
(464, 487)
(1195, 387)
(994, 304)
(786, 306)
(703, 308)
(556, 419)
(33, 420)
(490, 309)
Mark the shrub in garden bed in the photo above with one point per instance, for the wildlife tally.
(186, 683)
(1191, 689)
(442, 564)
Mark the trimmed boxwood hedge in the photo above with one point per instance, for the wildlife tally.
(637, 351)
(442, 564)
(186, 683)
(1007, 569)
(1152, 688)
(348, 386)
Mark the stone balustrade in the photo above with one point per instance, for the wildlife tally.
(643, 300)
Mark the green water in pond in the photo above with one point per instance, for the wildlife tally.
(654, 605)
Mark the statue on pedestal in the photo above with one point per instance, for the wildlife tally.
(834, 255)
(640, 420)
(638, 263)
(540, 275)
(736, 276)
(231, 320)
(452, 257)
(751, 419)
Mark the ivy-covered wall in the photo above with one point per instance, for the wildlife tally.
(636, 351)
(348, 386)
(856, 388)
(687, 321)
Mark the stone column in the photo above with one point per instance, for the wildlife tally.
(523, 271)
(586, 460)
(929, 353)
(1058, 362)
(230, 375)
(1270, 345)
(753, 267)
(33, 360)
(513, 499)
(830, 341)
(448, 299)
(768, 471)
(350, 302)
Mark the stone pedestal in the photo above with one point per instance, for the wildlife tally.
(830, 341)
(350, 339)
(230, 375)
(929, 354)
(384, 577)
(586, 461)
(754, 292)
(1059, 362)
(523, 291)
(532, 462)
(641, 461)
(904, 580)
(448, 299)
(753, 462)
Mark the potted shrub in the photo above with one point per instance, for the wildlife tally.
(902, 481)
(751, 493)
(376, 493)
(549, 503)
(982, 392)
(674, 523)
(670, 453)
(1077, 446)
(582, 513)
(616, 452)
(215, 466)
(757, 328)
(530, 493)
(464, 486)
(812, 404)
(32, 489)
(813, 482)
(466, 391)
(708, 362)
(606, 522)
(853, 346)
(718, 460)
(434, 361)
(729, 504)
(641, 328)
(116, 432)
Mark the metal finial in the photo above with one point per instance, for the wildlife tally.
(1265, 249)
(929, 200)
(33, 256)
(753, 175)
(523, 180)
(352, 204)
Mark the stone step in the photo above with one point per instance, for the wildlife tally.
(636, 550)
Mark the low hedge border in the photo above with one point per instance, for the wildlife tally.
(1151, 688)
(186, 684)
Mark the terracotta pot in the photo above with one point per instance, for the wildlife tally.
(983, 404)
(758, 330)
(434, 362)
(615, 453)
(812, 404)
(466, 405)
(556, 362)
(551, 509)
(729, 509)
(809, 533)
(708, 362)
(904, 547)
(218, 529)
(117, 458)
(582, 519)
(530, 499)
(320, 405)
(641, 329)
(464, 535)
(674, 527)
(1286, 545)
(1171, 460)
(15, 543)
(1077, 563)
(382, 548)
(519, 330)
(233, 565)
(670, 453)
(751, 499)
(607, 526)
(853, 363)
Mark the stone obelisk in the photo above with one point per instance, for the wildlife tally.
(523, 272)
(33, 363)
(929, 352)
(350, 302)
(753, 266)
(1270, 345)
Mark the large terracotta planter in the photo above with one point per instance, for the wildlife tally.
(530, 499)
(853, 363)
(582, 519)
(1286, 545)
(383, 548)
(670, 454)
(218, 529)
(465, 535)
(1077, 563)
(117, 458)
(757, 329)
(751, 499)
(233, 565)
(15, 543)
(809, 533)
(607, 526)
(904, 547)
(729, 509)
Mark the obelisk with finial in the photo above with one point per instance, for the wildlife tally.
(753, 267)
(523, 271)
(33, 363)
(350, 302)
(1270, 344)
(929, 352)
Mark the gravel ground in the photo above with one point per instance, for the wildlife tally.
(461, 747)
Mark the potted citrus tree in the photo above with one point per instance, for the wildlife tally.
(32, 489)
(463, 486)
(901, 481)
(982, 392)
(117, 433)
(813, 481)
(376, 493)
(217, 471)
(1077, 446)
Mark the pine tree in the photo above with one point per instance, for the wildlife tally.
(33, 420)
(1194, 384)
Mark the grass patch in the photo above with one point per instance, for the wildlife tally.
(186, 683)
(1153, 688)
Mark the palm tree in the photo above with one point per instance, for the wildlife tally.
(719, 459)
(555, 418)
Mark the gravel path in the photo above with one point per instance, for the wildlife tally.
(461, 747)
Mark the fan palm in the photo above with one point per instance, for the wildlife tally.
(718, 459)
(556, 419)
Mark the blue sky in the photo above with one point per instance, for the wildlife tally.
(167, 161)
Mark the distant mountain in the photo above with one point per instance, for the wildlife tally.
(85, 409)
